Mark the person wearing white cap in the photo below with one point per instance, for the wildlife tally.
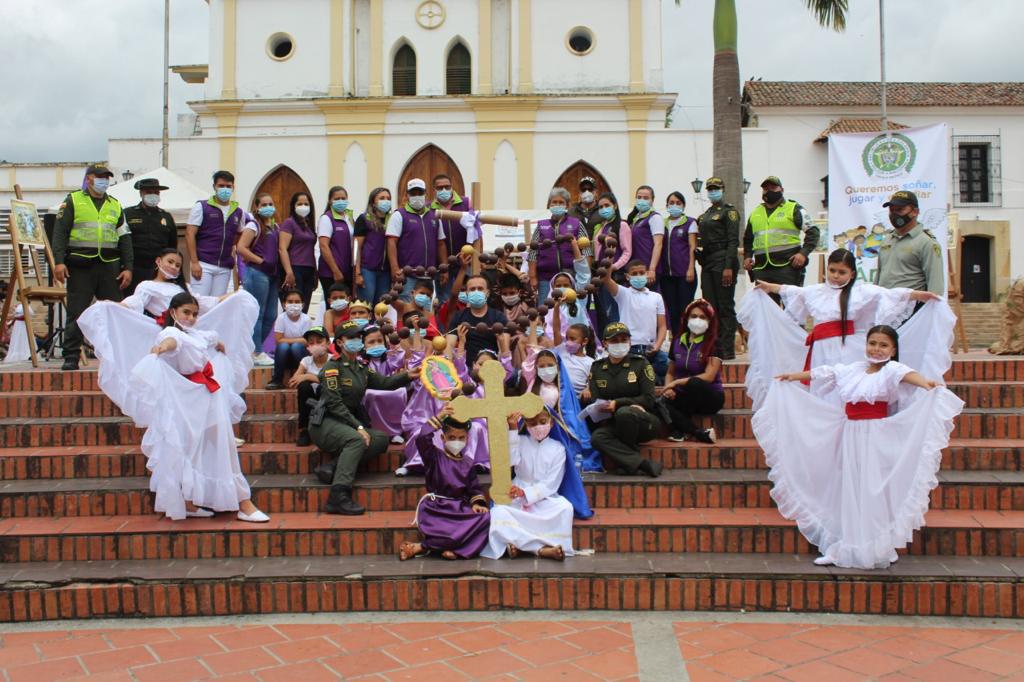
(415, 236)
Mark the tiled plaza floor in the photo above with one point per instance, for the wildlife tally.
(527, 646)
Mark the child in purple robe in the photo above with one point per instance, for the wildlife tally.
(384, 407)
(452, 517)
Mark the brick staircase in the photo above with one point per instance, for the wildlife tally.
(79, 539)
(983, 323)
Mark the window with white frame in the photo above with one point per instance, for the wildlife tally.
(976, 171)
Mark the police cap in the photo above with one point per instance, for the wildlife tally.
(99, 169)
(902, 198)
(149, 183)
(714, 182)
(614, 329)
(348, 330)
(771, 180)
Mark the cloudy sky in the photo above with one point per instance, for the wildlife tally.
(79, 72)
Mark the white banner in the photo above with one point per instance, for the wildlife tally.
(864, 169)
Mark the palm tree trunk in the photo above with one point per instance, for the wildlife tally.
(728, 140)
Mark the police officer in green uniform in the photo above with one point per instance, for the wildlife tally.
(719, 232)
(627, 383)
(773, 249)
(92, 250)
(152, 228)
(342, 425)
(910, 256)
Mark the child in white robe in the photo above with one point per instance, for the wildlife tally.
(856, 478)
(18, 348)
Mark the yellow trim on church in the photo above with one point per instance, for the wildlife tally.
(376, 48)
(638, 111)
(505, 118)
(525, 47)
(336, 88)
(347, 121)
(230, 47)
(636, 46)
(483, 57)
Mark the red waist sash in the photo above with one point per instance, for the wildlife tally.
(205, 378)
(858, 411)
(825, 330)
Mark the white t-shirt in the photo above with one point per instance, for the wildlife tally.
(394, 228)
(657, 224)
(195, 215)
(325, 228)
(293, 329)
(307, 365)
(639, 311)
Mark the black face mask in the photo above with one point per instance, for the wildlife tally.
(771, 197)
(899, 221)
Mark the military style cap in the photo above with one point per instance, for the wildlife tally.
(902, 198)
(771, 180)
(149, 183)
(613, 329)
(714, 182)
(315, 331)
(348, 330)
(100, 169)
(588, 180)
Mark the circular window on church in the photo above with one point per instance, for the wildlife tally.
(280, 46)
(580, 40)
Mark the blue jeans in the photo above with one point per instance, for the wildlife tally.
(287, 357)
(677, 294)
(659, 361)
(543, 290)
(306, 282)
(263, 288)
(375, 285)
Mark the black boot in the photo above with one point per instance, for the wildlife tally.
(325, 472)
(303, 440)
(651, 468)
(340, 502)
(70, 363)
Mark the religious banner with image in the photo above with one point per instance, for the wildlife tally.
(864, 169)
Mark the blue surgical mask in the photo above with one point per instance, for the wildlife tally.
(376, 351)
(339, 206)
(444, 196)
(476, 299)
(421, 332)
(353, 345)
(101, 184)
(558, 211)
(675, 210)
(638, 281)
(266, 211)
(361, 323)
(384, 205)
(224, 193)
(606, 212)
(643, 206)
(463, 298)
(422, 300)
(715, 195)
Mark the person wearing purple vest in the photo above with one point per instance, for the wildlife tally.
(258, 248)
(336, 233)
(677, 274)
(296, 245)
(210, 233)
(415, 237)
(456, 234)
(648, 231)
(550, 249)
(370, 269)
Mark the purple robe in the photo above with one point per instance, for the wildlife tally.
(386, 407)
(445, 514)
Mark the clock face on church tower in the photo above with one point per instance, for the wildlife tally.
(430, 14)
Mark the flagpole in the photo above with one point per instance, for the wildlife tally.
(164, 141)
(881, 51)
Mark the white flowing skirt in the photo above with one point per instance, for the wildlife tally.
(530, 528)
(857, 489)
(18, 350)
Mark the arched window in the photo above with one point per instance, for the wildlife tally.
(403, 74)
(458, 74)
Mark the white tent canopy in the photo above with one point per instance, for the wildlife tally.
(177, 200)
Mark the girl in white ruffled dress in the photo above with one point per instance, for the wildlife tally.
(856, 477)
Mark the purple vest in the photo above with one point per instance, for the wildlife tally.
(454, 233)
(372, 255)
(418, 244)
(675, 252)
(643, 240)
(686, 361)
(557, 257)
(265, 246)
(341, 248)
(215, 239)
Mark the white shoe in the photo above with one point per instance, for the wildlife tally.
(200, 513)
(401, 471)
(262, 360)
(256, 517)
(824, 561)
(239, 442)
(397, 440)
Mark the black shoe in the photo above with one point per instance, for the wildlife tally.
(341, 502)
(325, 472)
(303, 440)
(651, 468)
(728, 355)
(705, 436)
(677, 437)
(273, 385)
(70, 364)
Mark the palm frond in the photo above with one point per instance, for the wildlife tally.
(830, 13)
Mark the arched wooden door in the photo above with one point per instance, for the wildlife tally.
(425, 164)
(571, 176)
(281, 183)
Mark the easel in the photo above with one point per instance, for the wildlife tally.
(955, 294)
(41, 290)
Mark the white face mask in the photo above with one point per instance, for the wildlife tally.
(877, 361)
(547, 374)
(697, 325)
(618, 350)
(183, 323)
(510, 300)
(293, 309)
(587, 197)
(318, 351)
(417, 203)
(168, 274)
(339, 304)
(151, 200)
(454, 446)
(302, 210)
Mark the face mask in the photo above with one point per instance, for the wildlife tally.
(302, 210)
(715, 195)
(618, 350)
(899, 221)
(463, 298)
(547, 374)
(376, 351)
(360, 322)
(293, 309)
(540, 431)
(384, 205)
(417, 203)
(696, 325)
(638, 281)
(606, 212)
(223, 194)
(101, 184)
(476, 299)
(168, 274)
(339, 206)
(558, 211)
(422, 300)
(510, 300)
(643, 205)
(587, 197)
(573, 347)
(266, 211)
(674, 210)
(876, 361)
(771, 197)
(444, 196)
(183, 324)
(454, 446)
(837, 286)
(421, 332)
(318, 351)
(353, 345)
(151, 200)
(339, 304)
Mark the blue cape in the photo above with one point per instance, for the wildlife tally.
(569, 413)
(572, 485)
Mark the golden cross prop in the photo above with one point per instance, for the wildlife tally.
(496, 408)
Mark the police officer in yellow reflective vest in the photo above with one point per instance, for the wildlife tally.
(779, 238)
(92, 249)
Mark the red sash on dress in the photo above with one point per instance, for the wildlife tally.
(825, 330)
(161, 319)
(858, 411)
(205, 378)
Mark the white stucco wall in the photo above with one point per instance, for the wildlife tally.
(431, 45)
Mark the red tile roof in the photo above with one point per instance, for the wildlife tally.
(858, 93)
(856, 125)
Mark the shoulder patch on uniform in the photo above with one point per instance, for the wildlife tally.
(330, 372)
(734, 215)
(936, 248)
(649, 372)
(332, 383)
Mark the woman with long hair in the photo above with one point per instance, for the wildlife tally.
(610, 226)
(296, 248)
(258, 247)
(370, 269)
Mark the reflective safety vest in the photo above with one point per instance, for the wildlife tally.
(776, 232)
(94, 231)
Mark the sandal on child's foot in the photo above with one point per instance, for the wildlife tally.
(199, 513)
(401, 471)
(677, 437)
(513, 552)
(409, 550)
(555, 553)
(449, 555)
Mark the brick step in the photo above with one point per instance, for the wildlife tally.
(72, 462)
(703, 489)
(926, 586)
(88, 431)
(49, 377)
(746, 531)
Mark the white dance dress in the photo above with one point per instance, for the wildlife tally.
(189, 443)
(18, 349)
(542, 518)
(855, 480)
(779, 343)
